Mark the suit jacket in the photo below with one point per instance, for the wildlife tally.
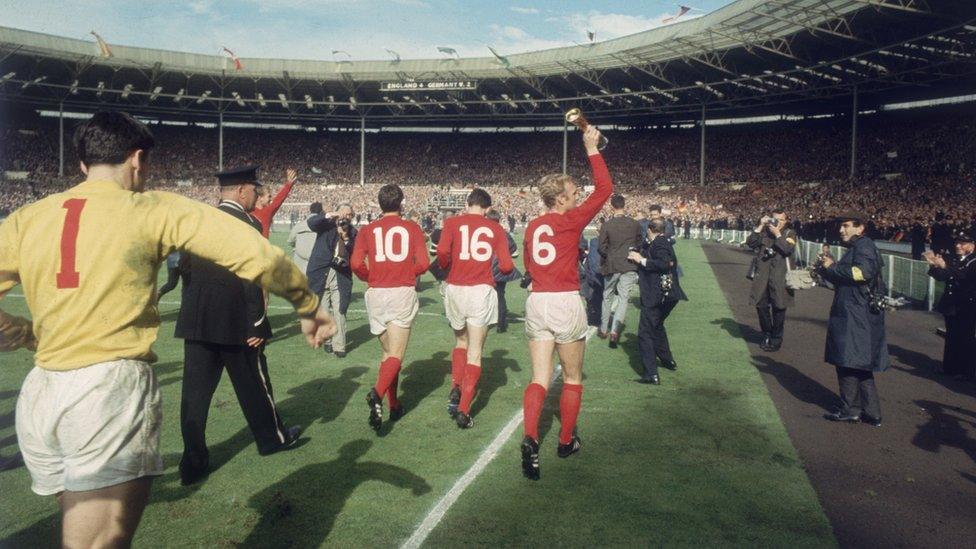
(218, 307)
(959, 275)
(660, 260)
(322, 258)
(302, 240)
(617, 235)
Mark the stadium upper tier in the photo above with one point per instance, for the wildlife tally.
(799, 55)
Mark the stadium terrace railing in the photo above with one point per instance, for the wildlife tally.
(904, 277)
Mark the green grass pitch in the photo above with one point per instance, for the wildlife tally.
(701, 459)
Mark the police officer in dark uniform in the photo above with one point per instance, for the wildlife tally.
(224, 324)
(856, 343)
(660, 291)
(958, 305)
(773, 243)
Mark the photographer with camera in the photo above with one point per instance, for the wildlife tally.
(856, 343)
(773, 243)
(329, 275)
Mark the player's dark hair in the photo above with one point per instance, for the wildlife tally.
(480, 198)
(656, 225)
(655, 208)
(390, 198)
(779, 211)
(315, 208)
(109, 137)
(617, 202)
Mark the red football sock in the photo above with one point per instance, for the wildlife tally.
(458, 359)
(569, 407)
(389, 369)
(471, 375)
(391, 393)
(535, 396)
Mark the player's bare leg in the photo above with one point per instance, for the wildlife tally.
(459, 357)
(475, 341)
(106, 517)
(540, 355)
(571, 357)
(394, 343)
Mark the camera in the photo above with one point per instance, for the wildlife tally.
(771, 221)
(526, 280)
(768, 253)
(343, 223)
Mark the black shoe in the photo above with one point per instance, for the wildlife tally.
(463, 420)
(566, 450)
(765, 343)
(530, 458)
(840, 415)
(397, 413)
(292, 436)
(340, 354)
(328, 348)
(653, 380)
(872, 421)
(614, 337)
(192, 475)
(501, 329)
(375, 409)
(774, 345)
(670, 364)
(453, 401)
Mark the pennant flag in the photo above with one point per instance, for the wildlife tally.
(590, 35)
(448, 51)
(396, 56)
(682, 11)
(237, 62)
(103, 48)
(501, 59)
(335, 52)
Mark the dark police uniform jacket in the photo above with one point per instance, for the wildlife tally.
(661, 260)
(218, 306)
(322, 258)
(771, 273)
(959, 275)
(855, 335)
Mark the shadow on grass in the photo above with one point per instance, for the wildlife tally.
(301, 510)
(421, 377)
(739, 331)
(798, 384)
(46, 532)
(494, 377)
(630, 347)
(946, 428)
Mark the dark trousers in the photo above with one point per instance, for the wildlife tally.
(959, 356)
(652, 337)
(172, 278)
(502, 306)
(248, 371)
(858, 393)
(594, 304)
(771, 320)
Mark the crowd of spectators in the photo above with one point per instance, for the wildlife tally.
(911, 168)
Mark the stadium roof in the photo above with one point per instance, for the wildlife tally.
(751, 57)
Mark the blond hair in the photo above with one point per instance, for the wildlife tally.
(553, 185)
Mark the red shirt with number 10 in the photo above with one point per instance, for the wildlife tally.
(467, 244)
(395, 250)
(552, 239)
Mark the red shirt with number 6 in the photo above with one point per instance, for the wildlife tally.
(390, 253)
(552, 239)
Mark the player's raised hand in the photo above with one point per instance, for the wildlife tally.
(290, 175)
(591, 140)
(318, 329)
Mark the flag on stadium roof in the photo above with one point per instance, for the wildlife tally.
(396, 56)
(590, 35)
(682, 11)
(101, 45)
(448, 51)
(501, 59)
(237, 62)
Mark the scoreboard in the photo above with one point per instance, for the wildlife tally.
(429, 85)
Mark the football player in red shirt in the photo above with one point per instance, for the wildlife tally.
(266, 207)
(467, 244)
(389, 255)
(555, 318)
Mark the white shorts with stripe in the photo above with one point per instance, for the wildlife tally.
(90, 428)
(397, 306)
(474, 305)
(558, 316)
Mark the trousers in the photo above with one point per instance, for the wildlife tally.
(858, 392)
(618, 287)
(652, 337)
(330, 304)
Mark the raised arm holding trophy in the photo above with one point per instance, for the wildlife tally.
(575, 117)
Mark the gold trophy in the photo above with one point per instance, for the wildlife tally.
(575, 117)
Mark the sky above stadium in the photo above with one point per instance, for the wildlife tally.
(365, 29)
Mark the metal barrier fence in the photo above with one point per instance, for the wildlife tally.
(904, 277)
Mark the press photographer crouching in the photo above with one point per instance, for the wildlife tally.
(773, 243)
(856, 343)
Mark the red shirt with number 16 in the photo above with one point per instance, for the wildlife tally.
(467, 244)
(390, 253)
(552, 239)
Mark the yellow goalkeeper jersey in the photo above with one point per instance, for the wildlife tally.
(88, 259)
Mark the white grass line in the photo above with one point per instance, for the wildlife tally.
(435, 515)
